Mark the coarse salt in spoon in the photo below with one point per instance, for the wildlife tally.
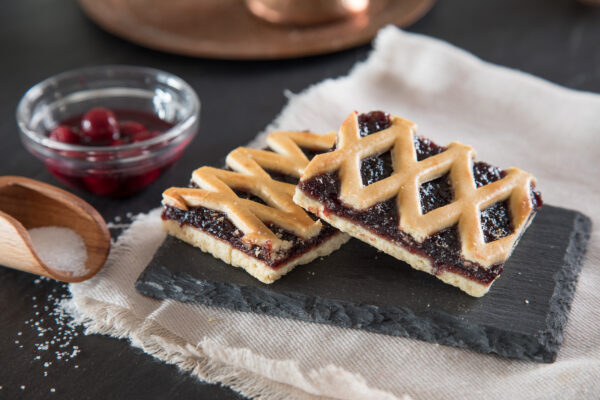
(26, 206)
(60, 248)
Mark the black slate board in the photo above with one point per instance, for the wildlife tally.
(522, 316)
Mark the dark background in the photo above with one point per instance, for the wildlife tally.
(556, 39)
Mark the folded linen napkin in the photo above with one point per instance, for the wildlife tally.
(511, 118)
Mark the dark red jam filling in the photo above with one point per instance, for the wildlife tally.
(436, 193)
(376, 168)
(485, 173)
(372, 122)
(443, 248)
(496, 222)
(425, 148)
(218, 225)
(536, 198)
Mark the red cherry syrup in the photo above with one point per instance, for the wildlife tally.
(104, 127)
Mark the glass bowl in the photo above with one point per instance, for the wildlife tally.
(115, 171)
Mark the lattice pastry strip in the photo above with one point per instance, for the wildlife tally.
(408, 175)
(216, 189)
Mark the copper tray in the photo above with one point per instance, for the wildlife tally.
(226, 29)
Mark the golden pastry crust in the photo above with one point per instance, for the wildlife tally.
(216, 189)
(471, 287)
(409, 174)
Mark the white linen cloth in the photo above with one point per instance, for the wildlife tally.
(512, 119)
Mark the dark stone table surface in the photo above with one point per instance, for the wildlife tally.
(555, 39)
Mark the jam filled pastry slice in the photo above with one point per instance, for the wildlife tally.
(433, 207)
(245, 215)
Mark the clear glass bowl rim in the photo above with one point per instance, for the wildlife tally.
(33, 93)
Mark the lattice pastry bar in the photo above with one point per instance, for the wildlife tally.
(433, 207)
(245, 216)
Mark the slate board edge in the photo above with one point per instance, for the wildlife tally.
(391, 321)
(401, 322)
(566, 284)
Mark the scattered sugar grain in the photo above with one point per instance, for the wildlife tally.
(55, 331)
(40, 280)
(61, 248)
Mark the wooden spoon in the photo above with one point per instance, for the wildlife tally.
(25, 204)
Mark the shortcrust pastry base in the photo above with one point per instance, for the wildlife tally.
(224, 251)
(416, 261)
